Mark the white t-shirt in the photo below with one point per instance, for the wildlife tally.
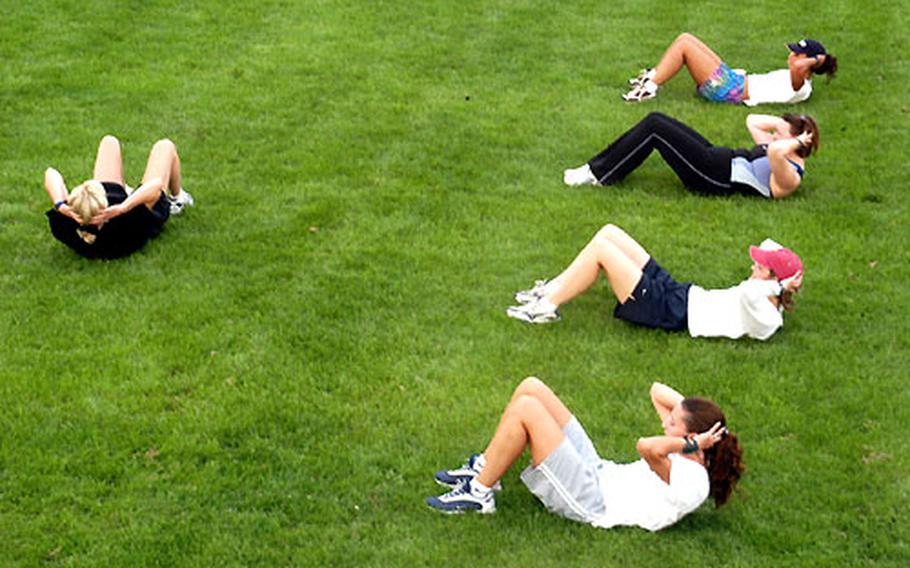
(636, 496)
(775, 87)
(741, 310)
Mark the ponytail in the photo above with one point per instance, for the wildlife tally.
(725, 466)
(723, 460)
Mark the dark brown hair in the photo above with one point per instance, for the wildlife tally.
(723, 460)
(800, 123)
(786, 297)
(829, 67)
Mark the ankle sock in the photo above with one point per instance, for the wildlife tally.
(478, 489)
(546, 304)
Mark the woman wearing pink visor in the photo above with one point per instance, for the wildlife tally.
(650, 297)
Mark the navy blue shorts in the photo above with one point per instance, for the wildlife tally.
(657, 301)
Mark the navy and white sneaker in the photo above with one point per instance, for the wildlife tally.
(455, 478)
(540, 311)
(537, 292)
(461, 500)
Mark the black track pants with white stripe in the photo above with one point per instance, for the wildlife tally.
(700, 166)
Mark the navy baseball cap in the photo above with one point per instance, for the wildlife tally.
(808, 46)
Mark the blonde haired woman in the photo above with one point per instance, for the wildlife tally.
(101, 218)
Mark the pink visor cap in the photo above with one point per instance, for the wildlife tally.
(783, 261)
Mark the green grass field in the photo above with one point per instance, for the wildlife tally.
(275, 379)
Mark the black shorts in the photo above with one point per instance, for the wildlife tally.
(657, 301)
(160, 212)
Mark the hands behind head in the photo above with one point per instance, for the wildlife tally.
(706, 440)
(107, 214)
(805, 138)
(793, 283)
(65, 209)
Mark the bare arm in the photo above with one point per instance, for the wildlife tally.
(664, 399)
(55, 186)
(763, 126)
(56, 189)
(147, 194)
(801, 68)
(784, 179)
(656, 449)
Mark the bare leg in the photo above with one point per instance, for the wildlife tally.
(689, 51)
(534, 387)
(109, 161)
(626, 244)
(612, 250)
(525, 422)
(164, 164)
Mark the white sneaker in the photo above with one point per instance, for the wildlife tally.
(462, 499)
(181, 201)
(644, 91)
(540, 311)
(582, 175)
(537, 292)
(644, 75)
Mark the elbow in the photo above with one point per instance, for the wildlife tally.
(643, 447)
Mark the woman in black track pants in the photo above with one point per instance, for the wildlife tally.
(773, 168)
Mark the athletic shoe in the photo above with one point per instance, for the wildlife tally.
(540, 311)
(181, 201)
(461, 500)
(582, 175)
(534, 294)
(643, 92)
(455, 478)
(643, 76)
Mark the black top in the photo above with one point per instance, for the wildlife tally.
(121, 236)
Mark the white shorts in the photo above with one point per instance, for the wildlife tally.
(567, 481)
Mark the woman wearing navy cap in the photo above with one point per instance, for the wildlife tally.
(717, 82)
(647, 295)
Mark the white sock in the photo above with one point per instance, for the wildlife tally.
(478, 489)
(479, 462)
(650, 74)
(650, 86)
(546, 304)
(581, 175)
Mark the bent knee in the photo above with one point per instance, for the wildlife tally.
(110, 139)
(530, 385)
(685, 36)
(609, 230)
(526, 405)
(165, 144)
(655, 116)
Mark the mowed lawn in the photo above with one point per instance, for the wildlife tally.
(276, 378)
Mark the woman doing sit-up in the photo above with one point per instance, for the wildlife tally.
(774, 168)
(695, 458)
(101, 218)
(717, 82)
(650, 297)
